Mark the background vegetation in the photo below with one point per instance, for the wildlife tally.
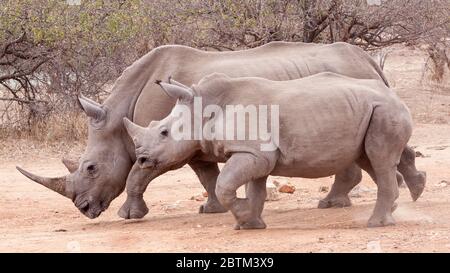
(53, 50)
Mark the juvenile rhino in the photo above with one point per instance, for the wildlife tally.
(100, 175)
(326, 122)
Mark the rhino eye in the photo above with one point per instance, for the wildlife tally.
(91, 168)
(165, 132)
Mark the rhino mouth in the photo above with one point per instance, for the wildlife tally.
(90, 209)
(146, 162)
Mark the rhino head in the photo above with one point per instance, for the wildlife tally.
(101, 172)
(157, 145)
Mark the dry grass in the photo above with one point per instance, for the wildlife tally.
(57, 136)
(408, 70)
(410, 74)
(56, 127)
(71, 126)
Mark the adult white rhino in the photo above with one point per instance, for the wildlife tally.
(101, 173)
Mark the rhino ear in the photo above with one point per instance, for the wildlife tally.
(92, 108)
(133, 130)
(175, 91)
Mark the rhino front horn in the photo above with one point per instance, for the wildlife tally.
(133, 129)
(57, 184)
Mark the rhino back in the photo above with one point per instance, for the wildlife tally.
(322, 128)
(323, 118)
(278, 61)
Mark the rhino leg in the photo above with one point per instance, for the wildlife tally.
(385, 141)
(344, 182)
(137, 182)
(414, 179)
(256, 193)
(387, 194)
(240, 169)
(207, 173)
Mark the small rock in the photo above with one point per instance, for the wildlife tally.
(272, 193)
(205, 194)
(443, 183)
(287, 188)
(60, 230)
(284, 186)
(374, 247)
(173, 206)
(197, 198)
(323, 189)
(419, 154)
(438, 148)
(358, 191)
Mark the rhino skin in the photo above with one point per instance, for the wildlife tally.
(101, 173)
(370, 125)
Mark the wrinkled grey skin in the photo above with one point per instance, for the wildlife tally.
(370, 125)
(100, 175)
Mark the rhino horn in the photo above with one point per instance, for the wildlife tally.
(57, 184)
(92, 108)
(172, 81)
(132, 129)
(177, 92)
(71, 165)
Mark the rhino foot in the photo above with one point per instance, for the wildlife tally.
(381, 221)
(212, 207)
(335, 202)
(253, 224)
(133, 208)
(417, 185)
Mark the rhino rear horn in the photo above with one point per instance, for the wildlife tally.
(57, 184)
(92, 108)
(71, 165)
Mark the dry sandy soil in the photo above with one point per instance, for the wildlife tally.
(34, 219)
